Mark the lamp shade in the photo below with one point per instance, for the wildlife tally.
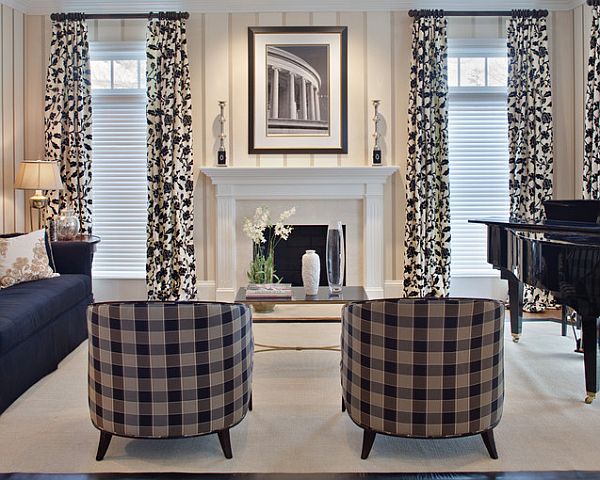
(38, 175)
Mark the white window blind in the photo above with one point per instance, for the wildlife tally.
(478, 156)
(119, 174)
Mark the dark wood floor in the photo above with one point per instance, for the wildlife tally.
(338, 476)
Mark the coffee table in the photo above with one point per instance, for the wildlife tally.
(347, 295)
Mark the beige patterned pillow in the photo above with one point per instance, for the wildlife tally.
(23, 259)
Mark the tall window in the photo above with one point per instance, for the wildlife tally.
(478, 150)
(119, 158)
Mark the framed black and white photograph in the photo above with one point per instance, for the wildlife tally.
(298, 101)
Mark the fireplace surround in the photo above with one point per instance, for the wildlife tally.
(354, 195)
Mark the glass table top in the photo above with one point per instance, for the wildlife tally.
(347, 295)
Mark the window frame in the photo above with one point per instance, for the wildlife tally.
(114, 51)
(118, 51)
(476, 48)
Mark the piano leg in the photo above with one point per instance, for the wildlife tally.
(591, 356)
(515, 296)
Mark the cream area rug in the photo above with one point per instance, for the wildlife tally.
(297, 425)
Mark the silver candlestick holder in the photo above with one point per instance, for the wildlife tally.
(221, 153)
(377, 159)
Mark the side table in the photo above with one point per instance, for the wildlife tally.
(81, 245)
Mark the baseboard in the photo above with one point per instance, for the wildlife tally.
(206, 290)
(225, 294)
(394, 289)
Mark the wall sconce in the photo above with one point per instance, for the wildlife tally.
(377, 158)
(221, 153)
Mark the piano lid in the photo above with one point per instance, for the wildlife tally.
(565, 217)
(587, 211)
(543, 226)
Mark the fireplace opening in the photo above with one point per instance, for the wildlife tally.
(288, 254)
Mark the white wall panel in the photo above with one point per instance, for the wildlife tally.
(357, 88)
(237, 126)
(12, 201)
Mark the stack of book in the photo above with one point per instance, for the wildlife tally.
(268, 290)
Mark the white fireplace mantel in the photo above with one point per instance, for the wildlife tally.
(335, 183)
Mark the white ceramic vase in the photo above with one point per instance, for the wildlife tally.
(311, 268)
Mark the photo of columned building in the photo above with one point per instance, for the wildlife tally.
(298, 90)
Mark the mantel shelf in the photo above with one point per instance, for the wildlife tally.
(298, 176)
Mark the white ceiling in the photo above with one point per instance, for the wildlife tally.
(135, 6)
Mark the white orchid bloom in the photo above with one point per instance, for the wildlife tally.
(282, 230)
(255, 229)
(287, 214)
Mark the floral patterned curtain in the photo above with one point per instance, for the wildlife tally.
(170, 267)
(591, 162)
(427, 234)
(68, 116)
(530, 128)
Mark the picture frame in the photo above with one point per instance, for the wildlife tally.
(297, 90)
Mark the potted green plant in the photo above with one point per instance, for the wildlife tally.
(265, 235)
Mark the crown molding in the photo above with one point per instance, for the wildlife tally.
(21, 5)
(43, 7)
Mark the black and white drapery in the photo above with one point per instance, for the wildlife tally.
(427, 234)
(530, 128)
(68, 116)
(170, 266)
(591, 162)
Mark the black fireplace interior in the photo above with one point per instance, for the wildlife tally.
(288, 254)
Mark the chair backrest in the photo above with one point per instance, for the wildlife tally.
(159, 369)
(424, 367)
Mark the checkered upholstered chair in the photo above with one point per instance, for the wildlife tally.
(423, 368)
(169, 370)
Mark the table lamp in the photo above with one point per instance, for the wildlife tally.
(38, 175)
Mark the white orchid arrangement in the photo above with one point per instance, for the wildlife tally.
(262, 268)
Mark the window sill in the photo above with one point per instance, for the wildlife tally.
(118, 276)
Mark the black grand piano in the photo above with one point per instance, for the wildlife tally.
(560, 254)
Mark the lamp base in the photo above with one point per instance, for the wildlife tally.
(38, 200)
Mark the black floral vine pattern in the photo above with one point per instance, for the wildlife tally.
(591, 159)
(427, 233)
(170, 267)
(68, 116)
(530, 129)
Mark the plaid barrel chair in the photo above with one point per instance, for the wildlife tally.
(423, 368)
(169, 370)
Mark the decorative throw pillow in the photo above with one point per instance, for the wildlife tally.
(23, 259)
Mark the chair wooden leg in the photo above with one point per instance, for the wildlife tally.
(225, 442)
(564, 320)
(250, 403)
(343, 405)
(368, 439)
(105, 439)
(490, 443)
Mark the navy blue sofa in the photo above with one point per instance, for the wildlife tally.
(41, 322)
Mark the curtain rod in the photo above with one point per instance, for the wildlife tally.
(117, 16)
(481, 13)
